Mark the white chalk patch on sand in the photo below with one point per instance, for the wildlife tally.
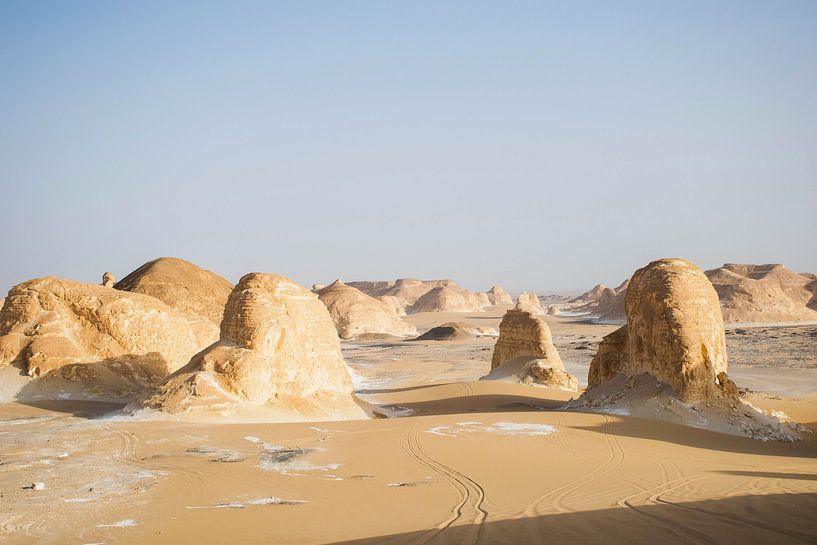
(289, 461)
(252, 439)
(119, 524)
(77, 500)
(501, 428)
(272, 500)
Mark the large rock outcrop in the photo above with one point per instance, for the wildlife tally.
(529, 302)
(450, 299)
(355, 313)
(499, 297)
(525, 353)
(182, 285)
(278, 348)
(48, 324)
(674, 331)
(764, 293)
(669, 362)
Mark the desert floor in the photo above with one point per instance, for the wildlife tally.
(470, 462)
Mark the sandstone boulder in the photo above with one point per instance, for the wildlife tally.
(108, 280)
(49, 323)
(764, 293)
(355, 313)
(525, 353)
(181, 285)
(278, 348)
(497, 296)
(674, 332)
(553, 310)
(529, 302)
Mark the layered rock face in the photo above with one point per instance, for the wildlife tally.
(764, 293)
(181, 285)
(498, 296)
(278, 347)
(49, 323)
(355, 313)
(674, 332)
(450, 299)
(529, 302)
(525, 353)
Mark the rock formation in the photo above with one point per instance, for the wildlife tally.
(405, 295)
(278, 348)
(108, 280)
(553, 310)
(610, 306)
(317, 287)
(525, 353)
(591, 295)
(451, 298)
(51, 324)
(452, 331)
(674, 330)
(498, 296)
(529, 302)
(672, 347)
(764, 293)
(356, 313)
(181, 285)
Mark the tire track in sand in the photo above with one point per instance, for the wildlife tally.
(471, 496)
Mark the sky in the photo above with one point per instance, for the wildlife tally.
(544, 146)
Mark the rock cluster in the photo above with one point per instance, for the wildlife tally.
(529, 302)
(278, 347)
(181, 285)
(49, 323)
(355, 313)
(409, 295)
(764, 293)
(525, 353)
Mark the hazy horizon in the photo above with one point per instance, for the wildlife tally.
(538, 146)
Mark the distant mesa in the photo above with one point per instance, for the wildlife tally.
(278, 349)
(764, 293)
(673, 349)
(529, 302)
(355, 313)
(524, 353)
(181, 285)
(103, 340)
(453, 331)
(108, 279)
(410, 296)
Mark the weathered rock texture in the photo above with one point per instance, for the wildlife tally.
(553, 310)
(356, 313)
(674, 332)
(764, 293)
(525, 353)
(498, 296)
(451, 331)
(450, 298)
(182, 285)
(529, 302)
(49, 323)
(278, 347)
(108, 280)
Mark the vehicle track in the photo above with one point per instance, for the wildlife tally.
(471, 496)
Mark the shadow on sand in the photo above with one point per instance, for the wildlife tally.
(769, 519)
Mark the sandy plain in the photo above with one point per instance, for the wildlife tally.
(462, 461)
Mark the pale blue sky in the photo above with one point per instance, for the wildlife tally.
(538, 145)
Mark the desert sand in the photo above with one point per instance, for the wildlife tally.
(461, 461)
